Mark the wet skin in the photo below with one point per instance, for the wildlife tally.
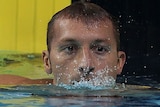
(80, 50)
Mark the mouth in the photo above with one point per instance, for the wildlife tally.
(98, 78)
(86, 77)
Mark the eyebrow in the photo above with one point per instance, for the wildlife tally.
(97, 41)
(69, 41)
(74, 41)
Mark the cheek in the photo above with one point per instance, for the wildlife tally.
(61, 65)
(109, 61)
(108, 67)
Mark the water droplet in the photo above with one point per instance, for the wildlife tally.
(58, 57)
(49, 83)
(132, 20)
(147, 54)
(57, 66)
(115, 67)
(129, 21)
(128, 57)
(125, 81)
(123, 85)
(118, 30)
(75, 61)
(109, 38)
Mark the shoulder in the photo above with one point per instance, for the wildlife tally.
(7, 79)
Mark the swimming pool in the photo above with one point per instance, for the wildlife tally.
(50, 96)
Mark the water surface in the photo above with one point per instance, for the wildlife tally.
(49, 95)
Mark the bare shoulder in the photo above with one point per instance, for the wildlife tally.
(6, 79)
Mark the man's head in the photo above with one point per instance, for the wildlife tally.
(82, 39)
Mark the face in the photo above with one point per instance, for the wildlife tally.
(80, 51)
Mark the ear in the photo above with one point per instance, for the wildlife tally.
(46, 61)
(121, 61)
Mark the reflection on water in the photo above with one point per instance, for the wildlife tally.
(48, 95)
(16, 99)
(85, 102)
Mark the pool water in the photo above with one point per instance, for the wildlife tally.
(50, 96)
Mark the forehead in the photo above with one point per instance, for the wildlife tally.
(68, 29)
(75, 29)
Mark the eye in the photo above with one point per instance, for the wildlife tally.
(99, 49)
(70, 49)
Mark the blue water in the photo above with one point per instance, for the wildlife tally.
(53, 96)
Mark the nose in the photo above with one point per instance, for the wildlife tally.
(86, 70)
(86, 62)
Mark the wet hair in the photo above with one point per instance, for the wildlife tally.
(84, 12)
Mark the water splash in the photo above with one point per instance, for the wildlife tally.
(98, 80)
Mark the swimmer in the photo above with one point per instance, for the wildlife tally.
(82, 41)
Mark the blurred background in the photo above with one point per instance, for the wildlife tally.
(23, 25)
